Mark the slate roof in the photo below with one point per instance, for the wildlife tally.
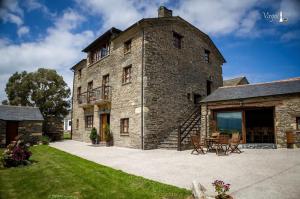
(234, 81)
(20, 113)
(283, 87)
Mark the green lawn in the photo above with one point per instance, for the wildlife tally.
(67, 135)
(57, 174)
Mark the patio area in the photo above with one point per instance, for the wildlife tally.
(255, 173)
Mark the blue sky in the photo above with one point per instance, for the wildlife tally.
(52, 33)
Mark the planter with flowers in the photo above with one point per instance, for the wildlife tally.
(221, 188)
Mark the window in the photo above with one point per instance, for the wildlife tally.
(124, 126)
(228, 122)
(78, 92)
(89, 121)
(298, 123)
(208, 87)
(177, 40)
(127, 46)
(206, 56)
(126, 75)
(99, 53)
(77, 124)
(79, 73)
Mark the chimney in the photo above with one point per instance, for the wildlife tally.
(164, 12)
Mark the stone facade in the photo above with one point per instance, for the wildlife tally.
(164, 81)
(286, 110)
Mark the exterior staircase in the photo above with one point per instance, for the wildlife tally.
(179, 138)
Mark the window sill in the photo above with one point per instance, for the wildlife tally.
(124, 134)
(98, 60)
(123, 84)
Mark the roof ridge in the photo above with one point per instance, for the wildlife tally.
(264, 83)
(15, 106)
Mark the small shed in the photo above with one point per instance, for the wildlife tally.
(14, 118)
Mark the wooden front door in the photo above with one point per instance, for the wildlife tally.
(11, 131)
(104, 122)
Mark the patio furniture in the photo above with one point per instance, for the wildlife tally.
(222, 144)
(234, 143)
(210, 143)
(198, 144)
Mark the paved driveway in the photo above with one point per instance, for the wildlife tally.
(264, 173)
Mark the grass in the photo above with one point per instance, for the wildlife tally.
(67, 135)
(56, 175)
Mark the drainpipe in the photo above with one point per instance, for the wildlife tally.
(142, 94)
(72, 106)
(206, 119)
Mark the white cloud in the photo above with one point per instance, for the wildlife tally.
(23, 30)
(291, 10)
(10, 11)
(59, 50)
(31, 5)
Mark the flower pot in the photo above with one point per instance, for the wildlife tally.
(224, 197)
(93, 141)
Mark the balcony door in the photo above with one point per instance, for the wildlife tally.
(89, 91)
(105, 86)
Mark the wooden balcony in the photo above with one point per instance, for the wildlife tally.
(96, 96)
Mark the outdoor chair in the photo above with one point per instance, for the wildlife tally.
(222, 144)
(198, 144)
(234, 143)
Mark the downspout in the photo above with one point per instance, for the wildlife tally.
(72, 123)
(142, 94)
(206, 114)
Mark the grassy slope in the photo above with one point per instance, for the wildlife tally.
(57, 174)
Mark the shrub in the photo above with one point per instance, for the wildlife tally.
(93, 134)
(45, 140)
(26, 137)
(16, 154)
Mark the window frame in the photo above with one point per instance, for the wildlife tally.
(208, 87)
(89, 121)
(177, 40)
(228, 111)
(79, 73)
(298, 123)
(206, 56)
(77, 124)
(126, 79)
(122, 126)
(127, 46)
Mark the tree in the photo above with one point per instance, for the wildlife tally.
(43, 88)
(18, 89)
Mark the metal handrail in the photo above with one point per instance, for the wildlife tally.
(96, 94)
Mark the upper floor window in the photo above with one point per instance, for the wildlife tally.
(177, 39)
(208, 87)
(127, 46)
(105, 86)
(77, 123)
(99, 53)
(89, 121)
(298, 123)
(206, 56)
(126, 78)
(124, 126)
(78, 91)
(79, 73)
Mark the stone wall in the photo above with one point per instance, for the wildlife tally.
(2, 133)
(286, 110)
(34, 127)
(174, 75)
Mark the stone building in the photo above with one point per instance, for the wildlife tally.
(144, 81)
(15, 118)
(261, 113)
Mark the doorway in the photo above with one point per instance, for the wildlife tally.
(260, 125)
(104, 122)
(11, 131)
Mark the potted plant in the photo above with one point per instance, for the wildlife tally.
(221, 188)
(108, 136)
(93, 135)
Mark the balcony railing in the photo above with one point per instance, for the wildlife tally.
(96, 95)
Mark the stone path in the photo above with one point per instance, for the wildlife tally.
(256, 173)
